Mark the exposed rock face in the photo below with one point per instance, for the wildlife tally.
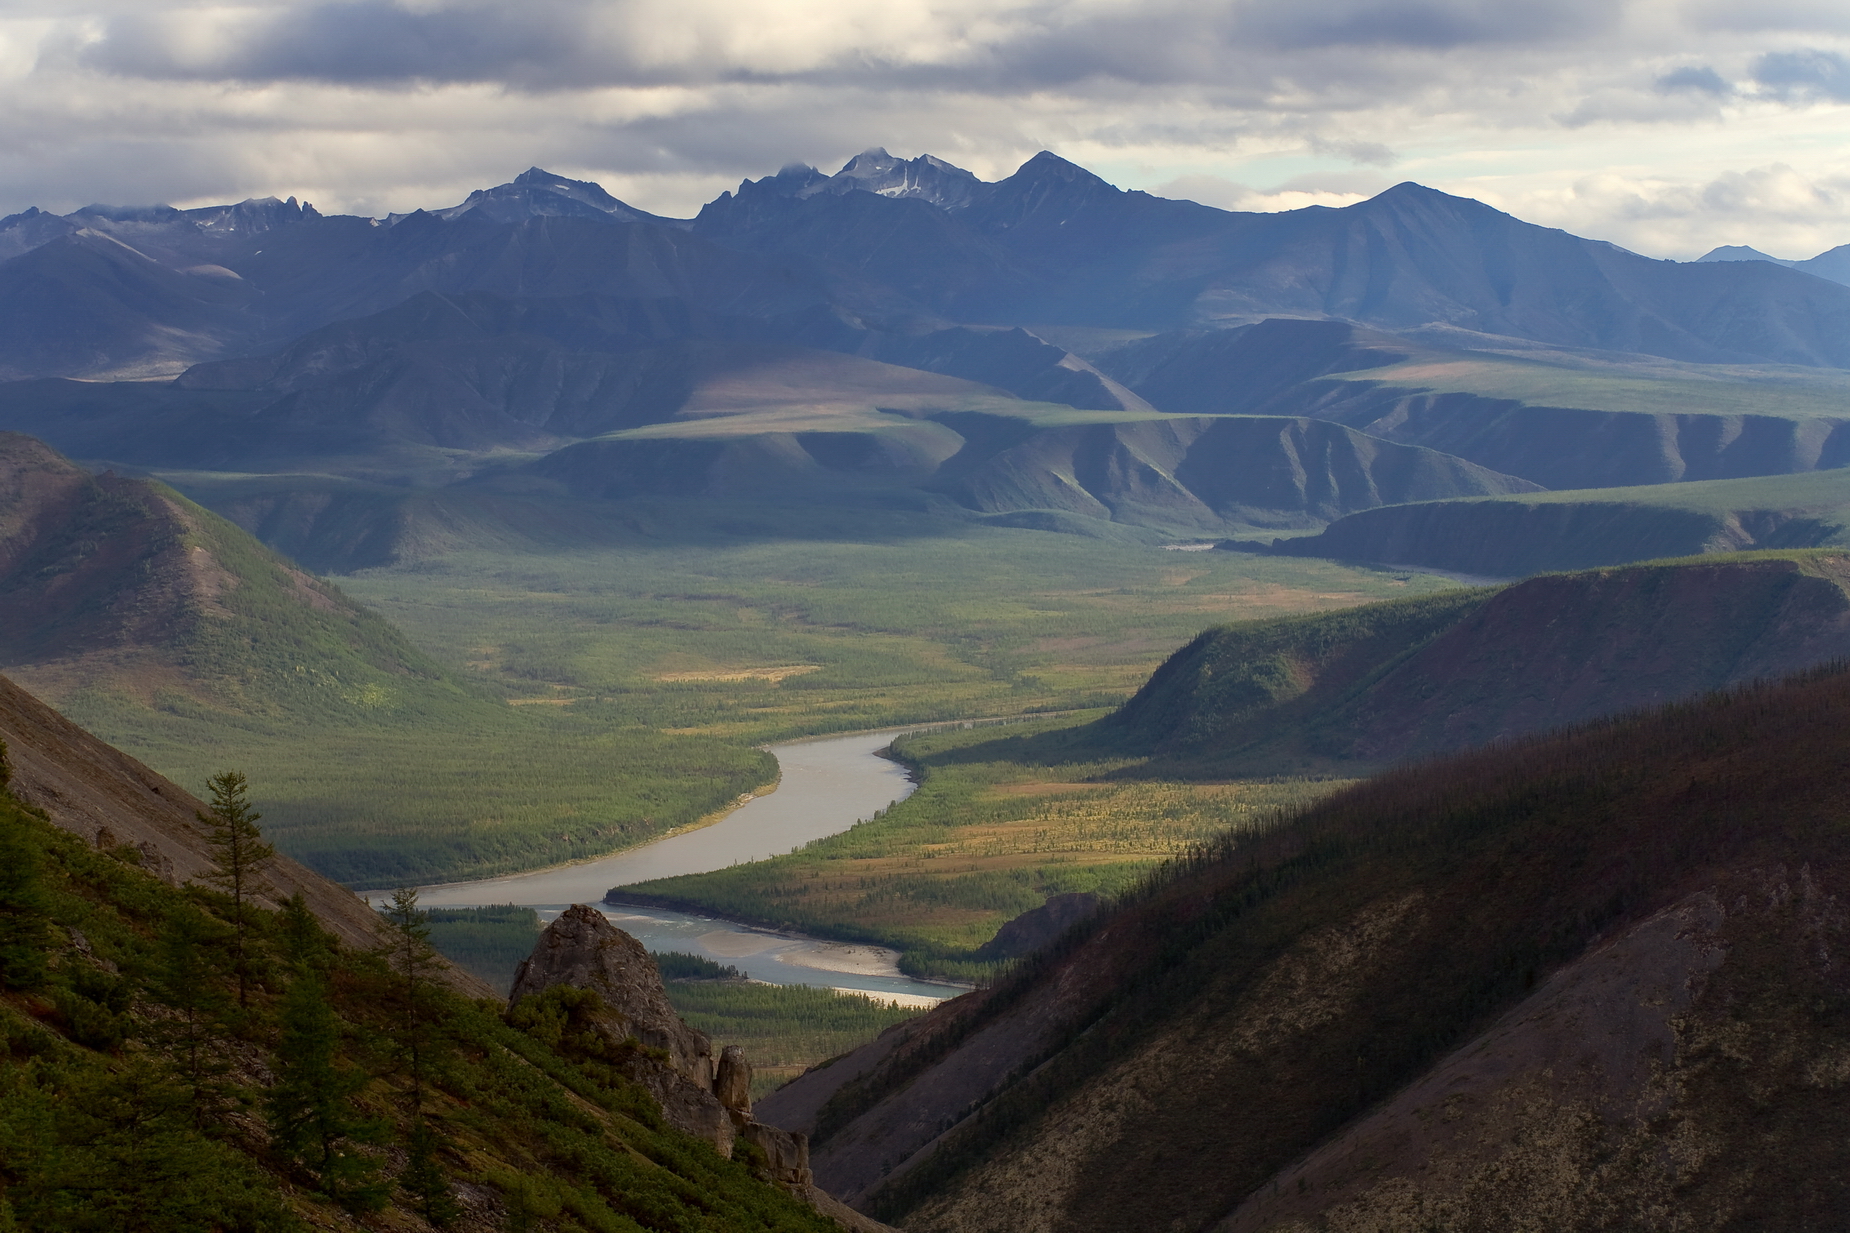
(1036, 927)
(585, 951)
(733, 1085)
(698, 1095)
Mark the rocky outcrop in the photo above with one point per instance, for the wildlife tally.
(585, 951)
(698, 1094)
(733, 1084)
(675, 1065)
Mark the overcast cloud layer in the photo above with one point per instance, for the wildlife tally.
(1666, 127)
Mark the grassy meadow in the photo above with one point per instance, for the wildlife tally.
(755, 640)
(984, 839)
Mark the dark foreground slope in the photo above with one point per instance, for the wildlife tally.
(136, 1093)
(1584, 981)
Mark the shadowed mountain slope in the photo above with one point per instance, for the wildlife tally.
(148, 1088)
(1454, 997)
(1591, 527)
(1054, 243)
(1385, 682)
(111, 801)
(1561, 419)
(188, 293)
(123, 584)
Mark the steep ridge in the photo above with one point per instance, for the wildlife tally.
(157, 1076)
(124, 585)
(111, 801)
(1379, 684)
(1592, 527)
(1520, 968)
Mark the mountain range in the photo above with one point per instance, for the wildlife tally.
(905, 333)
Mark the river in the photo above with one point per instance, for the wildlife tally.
(825, 787)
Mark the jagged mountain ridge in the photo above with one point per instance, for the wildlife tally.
(1051, 242)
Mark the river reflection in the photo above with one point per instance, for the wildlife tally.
(825, 787)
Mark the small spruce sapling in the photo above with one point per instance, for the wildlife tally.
(424, 1180)
(24, 908)
(415, 965)
(311, 1111)
(239, 856)
(185, 980)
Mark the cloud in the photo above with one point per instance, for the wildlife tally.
(378, 105)
(1692, 78)
(1804, 76)
(1773, 207)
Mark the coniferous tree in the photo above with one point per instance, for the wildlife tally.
(414, 966)
(24, 908)
(239, 855)
(313, 1119)
(425, 1181)
(187, 981)
(305, 943)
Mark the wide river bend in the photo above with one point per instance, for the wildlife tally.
(825, 787)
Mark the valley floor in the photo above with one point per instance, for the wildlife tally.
(627, 687)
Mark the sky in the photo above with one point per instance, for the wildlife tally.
(1667, 126)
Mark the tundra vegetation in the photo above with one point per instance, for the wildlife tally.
(349, 1088)
(602, 697)
(992, 831)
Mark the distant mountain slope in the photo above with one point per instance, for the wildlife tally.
(1203, 472)
(1561, 419)
(1591, 527)
(541, 194)
(1386, 682)
(1457, 996)
(991, 456)
(1833, 264)
(124, 585)
(1055, 243)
